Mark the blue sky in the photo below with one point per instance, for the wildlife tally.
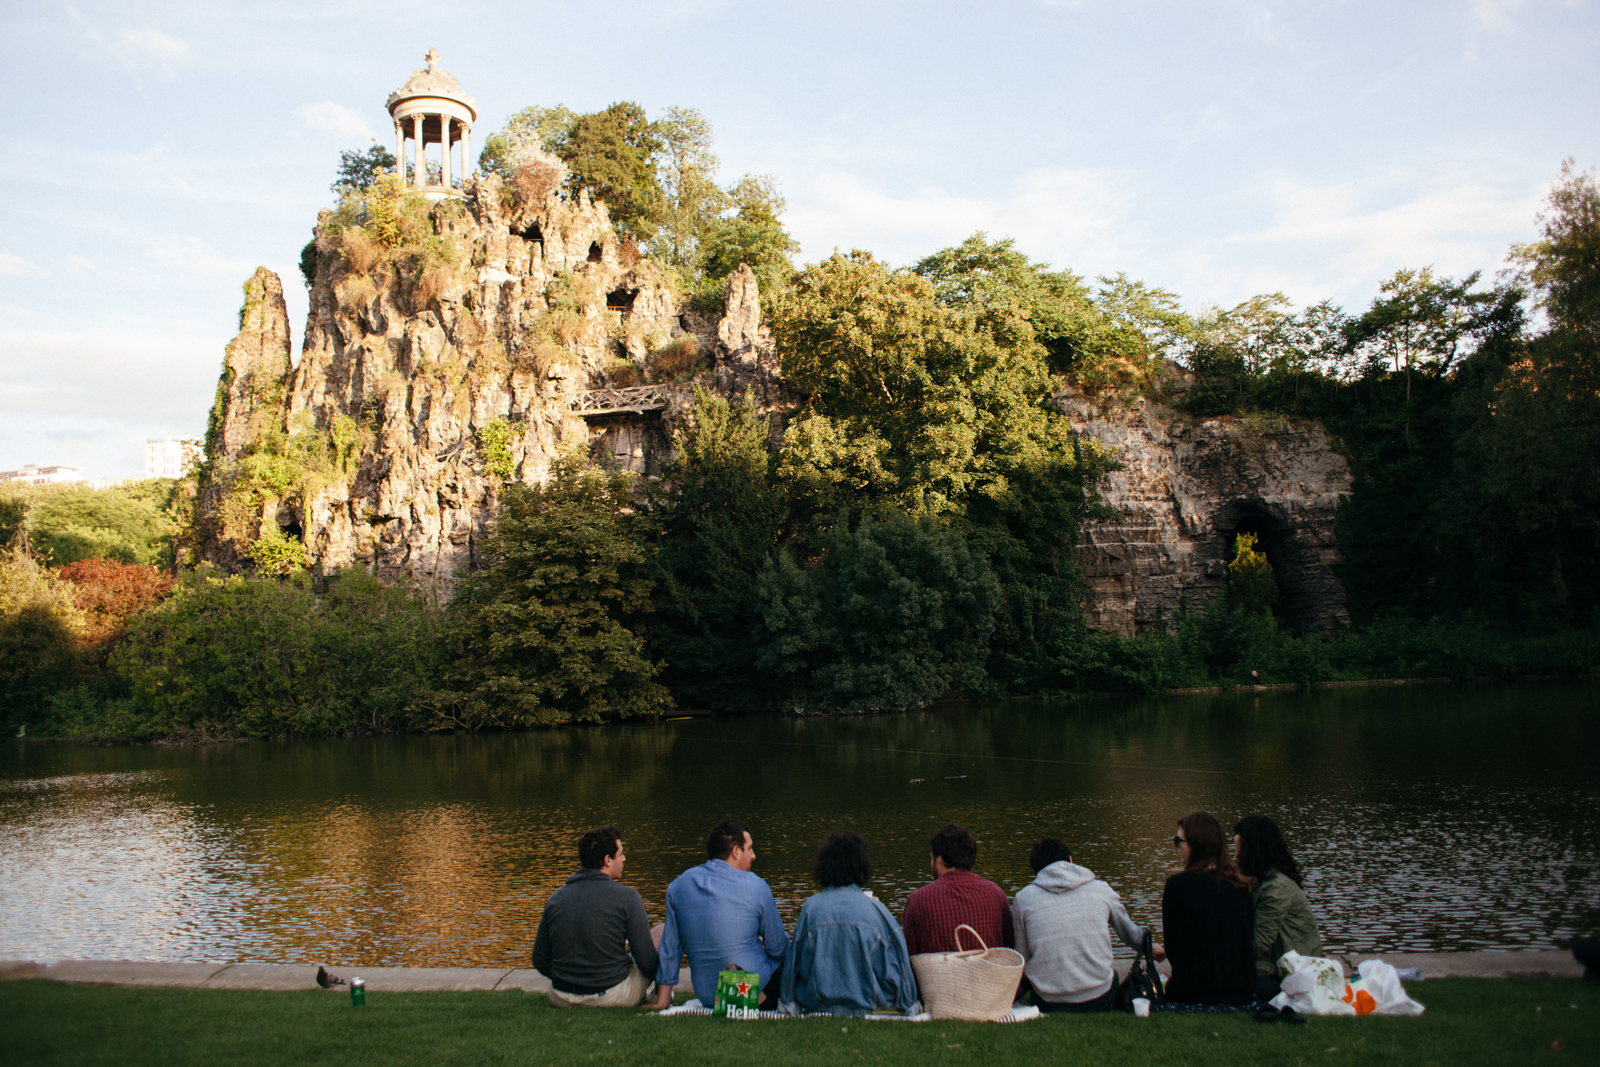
(1218, 149)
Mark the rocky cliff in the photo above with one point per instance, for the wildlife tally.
(1187, 488)
(497, 336)
(434, 368)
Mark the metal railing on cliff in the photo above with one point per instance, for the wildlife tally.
(629, 400)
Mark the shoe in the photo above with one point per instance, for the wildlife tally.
(1292, 1016)
(1268, 1015)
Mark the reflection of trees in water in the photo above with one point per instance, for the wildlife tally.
(1424, 816)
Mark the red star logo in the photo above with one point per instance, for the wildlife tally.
(744, 989)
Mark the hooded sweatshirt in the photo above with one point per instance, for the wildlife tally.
(1062, 927)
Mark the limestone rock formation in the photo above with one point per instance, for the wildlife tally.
(431, 372)
(255, 368)
(1187, 487)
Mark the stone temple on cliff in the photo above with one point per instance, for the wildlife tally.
(431, 108)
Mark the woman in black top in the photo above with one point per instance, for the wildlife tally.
(1208, 920)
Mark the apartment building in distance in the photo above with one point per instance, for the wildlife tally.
(171, 457)
(33, 474)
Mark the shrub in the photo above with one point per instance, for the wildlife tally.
(898, 611)
(108, 594)
(543, 633)
(259, 657)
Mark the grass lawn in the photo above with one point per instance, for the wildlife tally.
(1469, 1021)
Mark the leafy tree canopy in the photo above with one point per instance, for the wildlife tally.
(907, 399)
(546, 632)
(358, 170)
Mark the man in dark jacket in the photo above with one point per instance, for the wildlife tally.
(594, 941)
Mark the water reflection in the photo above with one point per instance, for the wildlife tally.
(1425, 818)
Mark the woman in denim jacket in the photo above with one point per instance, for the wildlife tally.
(847, 956)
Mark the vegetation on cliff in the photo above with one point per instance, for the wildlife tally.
(912, 530)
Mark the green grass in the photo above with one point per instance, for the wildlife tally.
(1469, 1021)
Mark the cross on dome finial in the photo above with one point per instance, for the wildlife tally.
(433, 58)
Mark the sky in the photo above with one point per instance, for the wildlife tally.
(163, 150)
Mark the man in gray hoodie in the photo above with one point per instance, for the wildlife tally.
(1062, 924)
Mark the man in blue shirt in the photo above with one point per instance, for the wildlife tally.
(722, 915)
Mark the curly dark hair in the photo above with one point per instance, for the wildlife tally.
(1048, 850)
(597, 844)
(1261, 848)
(842, 860)
(955, 846)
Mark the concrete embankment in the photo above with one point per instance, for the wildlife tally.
(1541, 964)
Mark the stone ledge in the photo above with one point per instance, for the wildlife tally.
(1545, 963)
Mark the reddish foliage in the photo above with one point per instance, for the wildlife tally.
(110, 593)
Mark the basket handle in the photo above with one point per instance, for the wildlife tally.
(969, 951)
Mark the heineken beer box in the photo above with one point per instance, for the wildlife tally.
(738, 993)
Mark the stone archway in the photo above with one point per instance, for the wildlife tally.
(1303, 594)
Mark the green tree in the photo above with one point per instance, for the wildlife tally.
(752, 235)
(898, 612)
(546, 127)
(129, 523)
(358, 170)
(546, 632)
(721, 516)
(1563, 268)
(40, 631)
(691, 200)
(1251, 585)
(258, 657)
(612, 154)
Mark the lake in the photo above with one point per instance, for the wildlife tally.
(1426, 818)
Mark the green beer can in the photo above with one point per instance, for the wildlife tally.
(358, 992)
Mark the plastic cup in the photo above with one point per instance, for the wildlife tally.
(1141, 1008)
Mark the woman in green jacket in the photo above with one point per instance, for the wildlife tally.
(1283, 917)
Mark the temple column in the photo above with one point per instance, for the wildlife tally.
(444, 154)
(419, 151)
(466, 150)
(400, 151)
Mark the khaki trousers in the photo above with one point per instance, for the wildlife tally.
(625, 994)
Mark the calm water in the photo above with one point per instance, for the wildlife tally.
(1427, 818)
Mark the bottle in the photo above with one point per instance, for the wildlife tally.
(358, 992)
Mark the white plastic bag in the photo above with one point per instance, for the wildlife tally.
(1312, 985)
(1376, 990)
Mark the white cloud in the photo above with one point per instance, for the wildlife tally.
(1059, 210)
(151, 44)
(336, 119)
(1340, 240)
(14, 266)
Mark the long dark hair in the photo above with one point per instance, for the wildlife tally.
(1263, 849)
(1204, 834)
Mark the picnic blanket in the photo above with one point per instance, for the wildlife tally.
(1020, 1013)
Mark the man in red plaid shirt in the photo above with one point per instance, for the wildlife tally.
(956, 896)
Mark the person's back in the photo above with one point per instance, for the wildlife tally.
(1207, 920)
(594, 940)
(955, 897)
(1062, 922)
(1283, 921)
(720, 914)
(847, 956)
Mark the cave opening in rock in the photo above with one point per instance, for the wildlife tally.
(596, 253)
(534, 233)
(1297, 600)
(621, 299)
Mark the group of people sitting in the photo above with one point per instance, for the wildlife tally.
(1225, 920)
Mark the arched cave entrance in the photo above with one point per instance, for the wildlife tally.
(534, 233)
(621, 299)
(596, 253)
(1296, 566)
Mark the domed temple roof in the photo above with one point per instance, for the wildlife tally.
(432, 80)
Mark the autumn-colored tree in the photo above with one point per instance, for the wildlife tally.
(108, 593)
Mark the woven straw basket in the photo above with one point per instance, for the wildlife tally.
(978, 983)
